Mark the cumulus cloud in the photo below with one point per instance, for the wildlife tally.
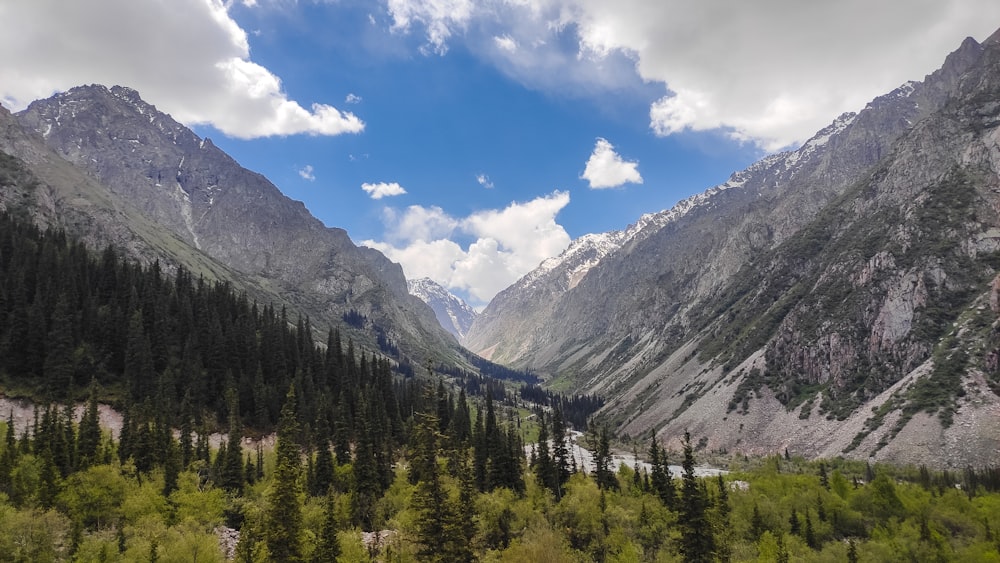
(307, 173)
(606, 169)
(484, 181)
(383, 189)
(769, 72)
(507, 243)
(352, 99)
(187, 57)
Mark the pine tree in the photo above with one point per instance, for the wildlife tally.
(794, 526)
(697, 542)
(232, 477)
(544, 468)
(284, 511)
(661, 481)
(59, 365)
(89, 440)
(328, 548)
(439, 531)
(560, 452)
(603, 473)
(808, 534)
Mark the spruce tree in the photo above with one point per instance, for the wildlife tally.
(560, 452)
(284, 511)
(697, 542)
(661, 481)
(328, 548)
(89, 440)
(232, 477)
(544, 468)
(603, 473)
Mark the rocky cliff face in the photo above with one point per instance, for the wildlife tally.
(165, 193)
(454, 314)
(778, 309)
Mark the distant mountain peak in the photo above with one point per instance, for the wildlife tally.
(454, 314)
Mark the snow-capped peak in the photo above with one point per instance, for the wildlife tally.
(454, 314)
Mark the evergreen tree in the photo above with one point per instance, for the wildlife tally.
(809, 534)
(794, 526)
(59, 365)
(284, 511)
(603, 473)
(544, 468)
(89, 440)
(697, 543)
(560, 452)
(231, 477)
(661, 481)
(328, 548)
(323, 470)
(439, 532)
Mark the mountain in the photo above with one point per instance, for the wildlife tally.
(113, 169)
(779, 309)
(454, 314)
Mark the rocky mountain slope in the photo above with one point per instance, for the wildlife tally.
(454, 314)
(780, 308)
(113, 169)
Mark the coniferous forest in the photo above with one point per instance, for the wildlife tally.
(347, 457)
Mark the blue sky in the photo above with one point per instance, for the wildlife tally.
(470, 140)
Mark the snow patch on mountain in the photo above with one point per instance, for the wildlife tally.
(454, 314)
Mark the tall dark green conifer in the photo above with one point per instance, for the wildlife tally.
(232, 477)
(697, 543)
(603, 472)
(560, 451)
(544, 468)
(284, 510)
(89, 441)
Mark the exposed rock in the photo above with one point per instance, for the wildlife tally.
(779, 309)
(114, 169)
(454, 314)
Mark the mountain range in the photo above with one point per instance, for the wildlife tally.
(838, 299)
(112, 169)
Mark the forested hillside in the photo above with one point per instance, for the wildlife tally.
(372, 461)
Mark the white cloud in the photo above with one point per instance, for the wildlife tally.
(508, 243)
(187, 57)
(440, 18)
(606, 169)
(484, 181)
(352, 99)
(307, 173)
(418, 223)
(771, 72)
(383, 189)
(506, 43)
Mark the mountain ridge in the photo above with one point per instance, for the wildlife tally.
(142, 167)
(453, 313)
(676, 322)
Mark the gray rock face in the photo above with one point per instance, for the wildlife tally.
(216, 211)
(814, 282)
(454, 314)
